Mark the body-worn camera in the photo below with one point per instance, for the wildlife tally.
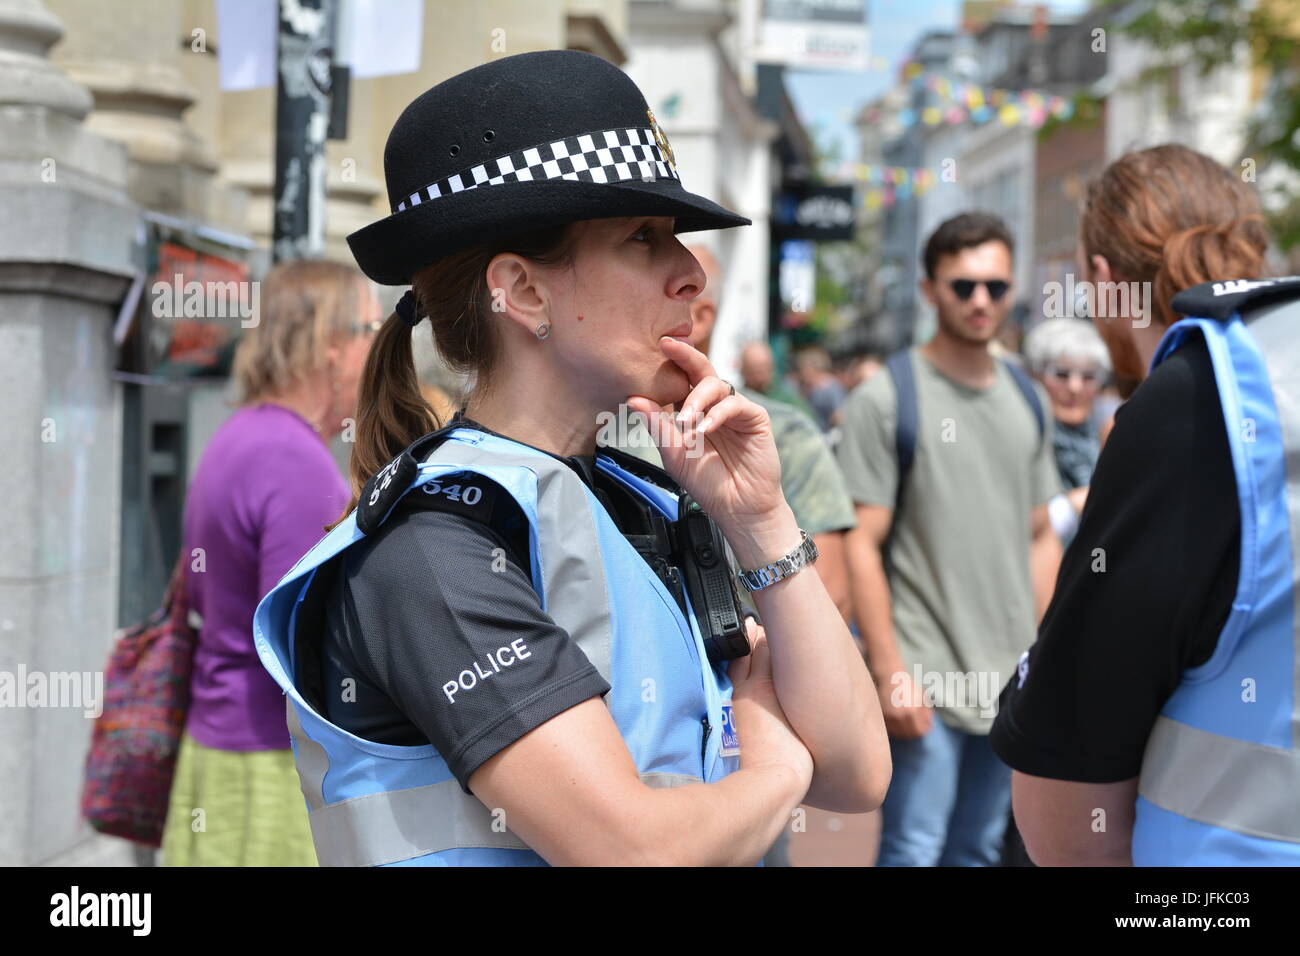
(702, 556)
(689, 556)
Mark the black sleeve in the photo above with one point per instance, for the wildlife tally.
(446, 624)
(1144, 588)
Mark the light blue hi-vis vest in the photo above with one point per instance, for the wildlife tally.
(1220, 780)
(378, 804)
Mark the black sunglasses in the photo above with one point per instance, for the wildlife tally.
(965, 288)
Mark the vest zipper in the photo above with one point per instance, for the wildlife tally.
(677, 588)
(704, 747)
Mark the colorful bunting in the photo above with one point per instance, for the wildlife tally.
(980, 104)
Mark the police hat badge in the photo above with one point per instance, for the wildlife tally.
(661, 140)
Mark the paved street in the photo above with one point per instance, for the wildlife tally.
(836, 839)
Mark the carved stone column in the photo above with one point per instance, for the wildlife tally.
(64, 267)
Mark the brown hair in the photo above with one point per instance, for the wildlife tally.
(1175, 218)
(964, 231)
(453, 292)
(302, 308)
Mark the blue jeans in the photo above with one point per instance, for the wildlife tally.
(948, 802)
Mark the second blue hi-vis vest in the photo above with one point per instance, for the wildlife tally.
(1220, 779)
(379, 804)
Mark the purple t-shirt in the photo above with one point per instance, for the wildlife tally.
(261, 496)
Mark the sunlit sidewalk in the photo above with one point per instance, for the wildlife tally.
(836, 839)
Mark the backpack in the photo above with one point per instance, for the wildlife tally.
(900, 369)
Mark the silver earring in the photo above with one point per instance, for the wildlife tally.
(543, 330)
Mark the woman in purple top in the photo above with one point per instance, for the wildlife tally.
(262, 495)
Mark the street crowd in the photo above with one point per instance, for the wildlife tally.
(1030, 544)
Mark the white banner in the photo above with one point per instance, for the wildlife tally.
(815, 34)
(375, 38)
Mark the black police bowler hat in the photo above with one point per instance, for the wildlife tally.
(525, 142)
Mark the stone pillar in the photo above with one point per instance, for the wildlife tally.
(64, 269)
(137, 63)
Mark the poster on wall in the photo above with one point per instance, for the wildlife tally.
(193, 306)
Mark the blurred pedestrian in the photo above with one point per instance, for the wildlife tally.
(1069, 358)
(758, 372)
(757, 367)
(1160, 692)
(820, 387)
(949, 460)
(856, 366)
(264, 490)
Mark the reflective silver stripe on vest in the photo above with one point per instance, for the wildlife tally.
(312, 760)
(373, 830)
(666, 781)
(1277, 332)
(402, 824)
(395, 825)
(1222, 781)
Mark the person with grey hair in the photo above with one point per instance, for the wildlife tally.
(1070, 359)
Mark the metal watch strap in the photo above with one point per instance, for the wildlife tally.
(803, 555)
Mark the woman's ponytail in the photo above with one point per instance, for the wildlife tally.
(391, 411)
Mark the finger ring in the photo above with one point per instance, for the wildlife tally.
(732, 387)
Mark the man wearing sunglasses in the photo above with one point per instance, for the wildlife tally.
(964, 533)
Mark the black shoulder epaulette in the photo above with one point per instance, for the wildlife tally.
(1223, 300)
(386, 487)
(463, 493)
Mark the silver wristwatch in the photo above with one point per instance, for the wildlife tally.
(798, 559)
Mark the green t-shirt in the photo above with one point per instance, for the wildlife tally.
(810, 478)
(963, 601)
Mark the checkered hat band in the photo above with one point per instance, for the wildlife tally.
(610, 156)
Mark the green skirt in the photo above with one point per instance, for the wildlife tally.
(236, 808)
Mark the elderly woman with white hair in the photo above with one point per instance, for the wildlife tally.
(1070, 359)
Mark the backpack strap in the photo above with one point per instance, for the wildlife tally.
(900, 369)
(899, 365)
(1026, 386)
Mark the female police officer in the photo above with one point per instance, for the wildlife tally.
(445, 649)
